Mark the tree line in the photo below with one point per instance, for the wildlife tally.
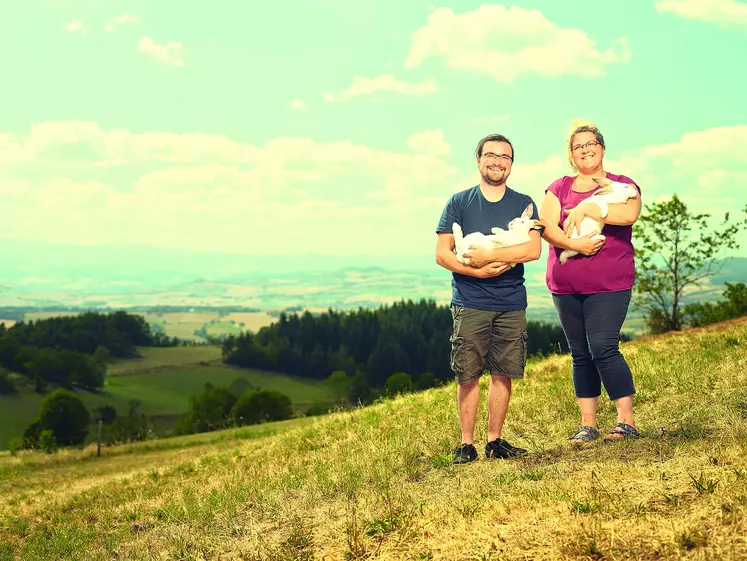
(406, 337)
(73, 350)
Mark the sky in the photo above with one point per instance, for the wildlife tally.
(287, 129)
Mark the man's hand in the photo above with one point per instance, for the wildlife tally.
(492, 270)
(586, 246)
(573, 221)
(478, 256)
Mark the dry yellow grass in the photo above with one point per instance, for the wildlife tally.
(375, 483)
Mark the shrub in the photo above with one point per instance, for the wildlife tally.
(261, 405)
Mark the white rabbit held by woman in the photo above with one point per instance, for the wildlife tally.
(612, 192)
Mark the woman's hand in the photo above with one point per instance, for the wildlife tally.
(586, 246)
(478, 256)
(573, 221)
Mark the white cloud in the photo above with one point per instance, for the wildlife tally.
(122, 19)
(508, 42)
(298, 104)
(726, 13)
(678, 168)
(72, 144)
(429, 142)
(77, 27)
(385, 83)
(168, 53)
(205, 191)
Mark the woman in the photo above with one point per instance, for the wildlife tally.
(592, 290)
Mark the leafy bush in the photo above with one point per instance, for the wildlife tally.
(261, 405)
(64, 415)
(209, 410)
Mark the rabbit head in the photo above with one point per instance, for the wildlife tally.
(524, 223)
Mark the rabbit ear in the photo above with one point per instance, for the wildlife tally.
(528, 211)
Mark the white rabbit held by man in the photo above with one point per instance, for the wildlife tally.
(517, 233)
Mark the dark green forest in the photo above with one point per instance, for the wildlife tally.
(73, 350)
(405, 337)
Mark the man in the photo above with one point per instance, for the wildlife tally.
(489, 300)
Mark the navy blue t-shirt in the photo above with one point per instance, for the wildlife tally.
(474, 213)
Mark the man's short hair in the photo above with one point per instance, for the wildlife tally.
(494, 138)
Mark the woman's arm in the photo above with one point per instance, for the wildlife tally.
(618, 214)
(550, 216)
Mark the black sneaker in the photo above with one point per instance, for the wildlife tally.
(499, 448)
(464, 454)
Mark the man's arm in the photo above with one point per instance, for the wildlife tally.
(446, 257)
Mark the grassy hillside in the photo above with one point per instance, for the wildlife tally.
(163, 380)
(376, 483)
(154, 358)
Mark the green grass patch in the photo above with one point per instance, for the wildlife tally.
(165, 357)
(163, 389)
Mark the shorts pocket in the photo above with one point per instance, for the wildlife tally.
(524, 345)
(458, 359)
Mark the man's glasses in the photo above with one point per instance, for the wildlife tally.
(589, 144)
(492, 157)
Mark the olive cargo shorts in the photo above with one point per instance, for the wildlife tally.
(484, 340)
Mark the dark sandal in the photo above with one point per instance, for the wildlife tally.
(585, 434)
(622, 431)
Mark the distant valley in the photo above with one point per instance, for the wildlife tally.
(223, 293)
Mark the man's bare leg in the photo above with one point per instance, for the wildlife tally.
(468, 400)
(499, 395)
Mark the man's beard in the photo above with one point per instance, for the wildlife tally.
(492, 182)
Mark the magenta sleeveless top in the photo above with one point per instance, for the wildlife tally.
(610, 270)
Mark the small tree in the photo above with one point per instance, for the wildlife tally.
(63, 413)
(339, 385)
(360, 391)
(676, 249)
(132, 406)
(101, 355)
(107, 414)
(425, 380)
(398, 383)
(261, 405)
(209, 410)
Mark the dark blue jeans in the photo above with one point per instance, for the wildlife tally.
(592, 323)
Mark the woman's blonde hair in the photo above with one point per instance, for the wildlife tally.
(579, 125)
